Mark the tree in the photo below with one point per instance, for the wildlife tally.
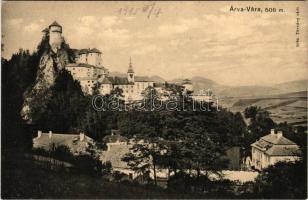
(143, 158)
(251, 112)
(18, 73)
(65, 105)
(260, 125)
(283, 180)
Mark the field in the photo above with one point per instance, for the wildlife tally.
(290, 107)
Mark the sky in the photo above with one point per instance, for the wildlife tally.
(173, 39)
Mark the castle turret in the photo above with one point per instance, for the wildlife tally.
(55, 37)
(45, 32)
(130, 72)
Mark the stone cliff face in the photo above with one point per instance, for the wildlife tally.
(35, 98)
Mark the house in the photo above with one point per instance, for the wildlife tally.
(273, 148)
(117, 147)
(77, 143)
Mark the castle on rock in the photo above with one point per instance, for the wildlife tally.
(90, 72)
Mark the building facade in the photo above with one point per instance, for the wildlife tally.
(273, 148)
(132, 86)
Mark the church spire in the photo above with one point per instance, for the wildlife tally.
(130, 67)
(130, 72)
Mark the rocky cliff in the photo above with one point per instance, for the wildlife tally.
(35, 98)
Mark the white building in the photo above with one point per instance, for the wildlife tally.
(273, 148)
(132, 86)
(86, 74)
(89, 56)
(205, 96)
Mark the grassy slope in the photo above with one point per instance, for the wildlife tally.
(290, 107)
(21, 178)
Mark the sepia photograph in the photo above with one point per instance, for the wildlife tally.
(154, 99)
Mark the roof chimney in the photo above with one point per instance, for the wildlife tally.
(81, 137)
(279, 134)
(50, 134)
(39, 134)
(272, 131)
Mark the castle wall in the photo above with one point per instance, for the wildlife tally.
(83, 58)
(94, 59)
(90, 58)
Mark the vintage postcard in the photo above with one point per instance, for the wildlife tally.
(154, 99)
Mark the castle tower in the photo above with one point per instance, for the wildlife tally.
(45, 32)
(55, 37)
(130, 72)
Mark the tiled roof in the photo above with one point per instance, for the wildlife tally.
(115, 138)
(115, 155)
(186, 81)
(86, 51)
(130, 70)
(159, 85)
(104, 81)
(275, 139)
(46, 30)
(70, 140)
(142, 79)
(82, 65)
(94, 50)
(276, 145)
(119, 80)
(280, 150)
(83, 51)
(55, 24)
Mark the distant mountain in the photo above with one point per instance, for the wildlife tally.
(201, 83)
(292, 86)
(118, 74)
(245, 91)
(157, 79)
(259, 91)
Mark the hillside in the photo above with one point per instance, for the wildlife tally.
(246, 91)
(22, 178)
(156, 79)
(258, 91)
(223, 91)
(292, 86)
(289, 107)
